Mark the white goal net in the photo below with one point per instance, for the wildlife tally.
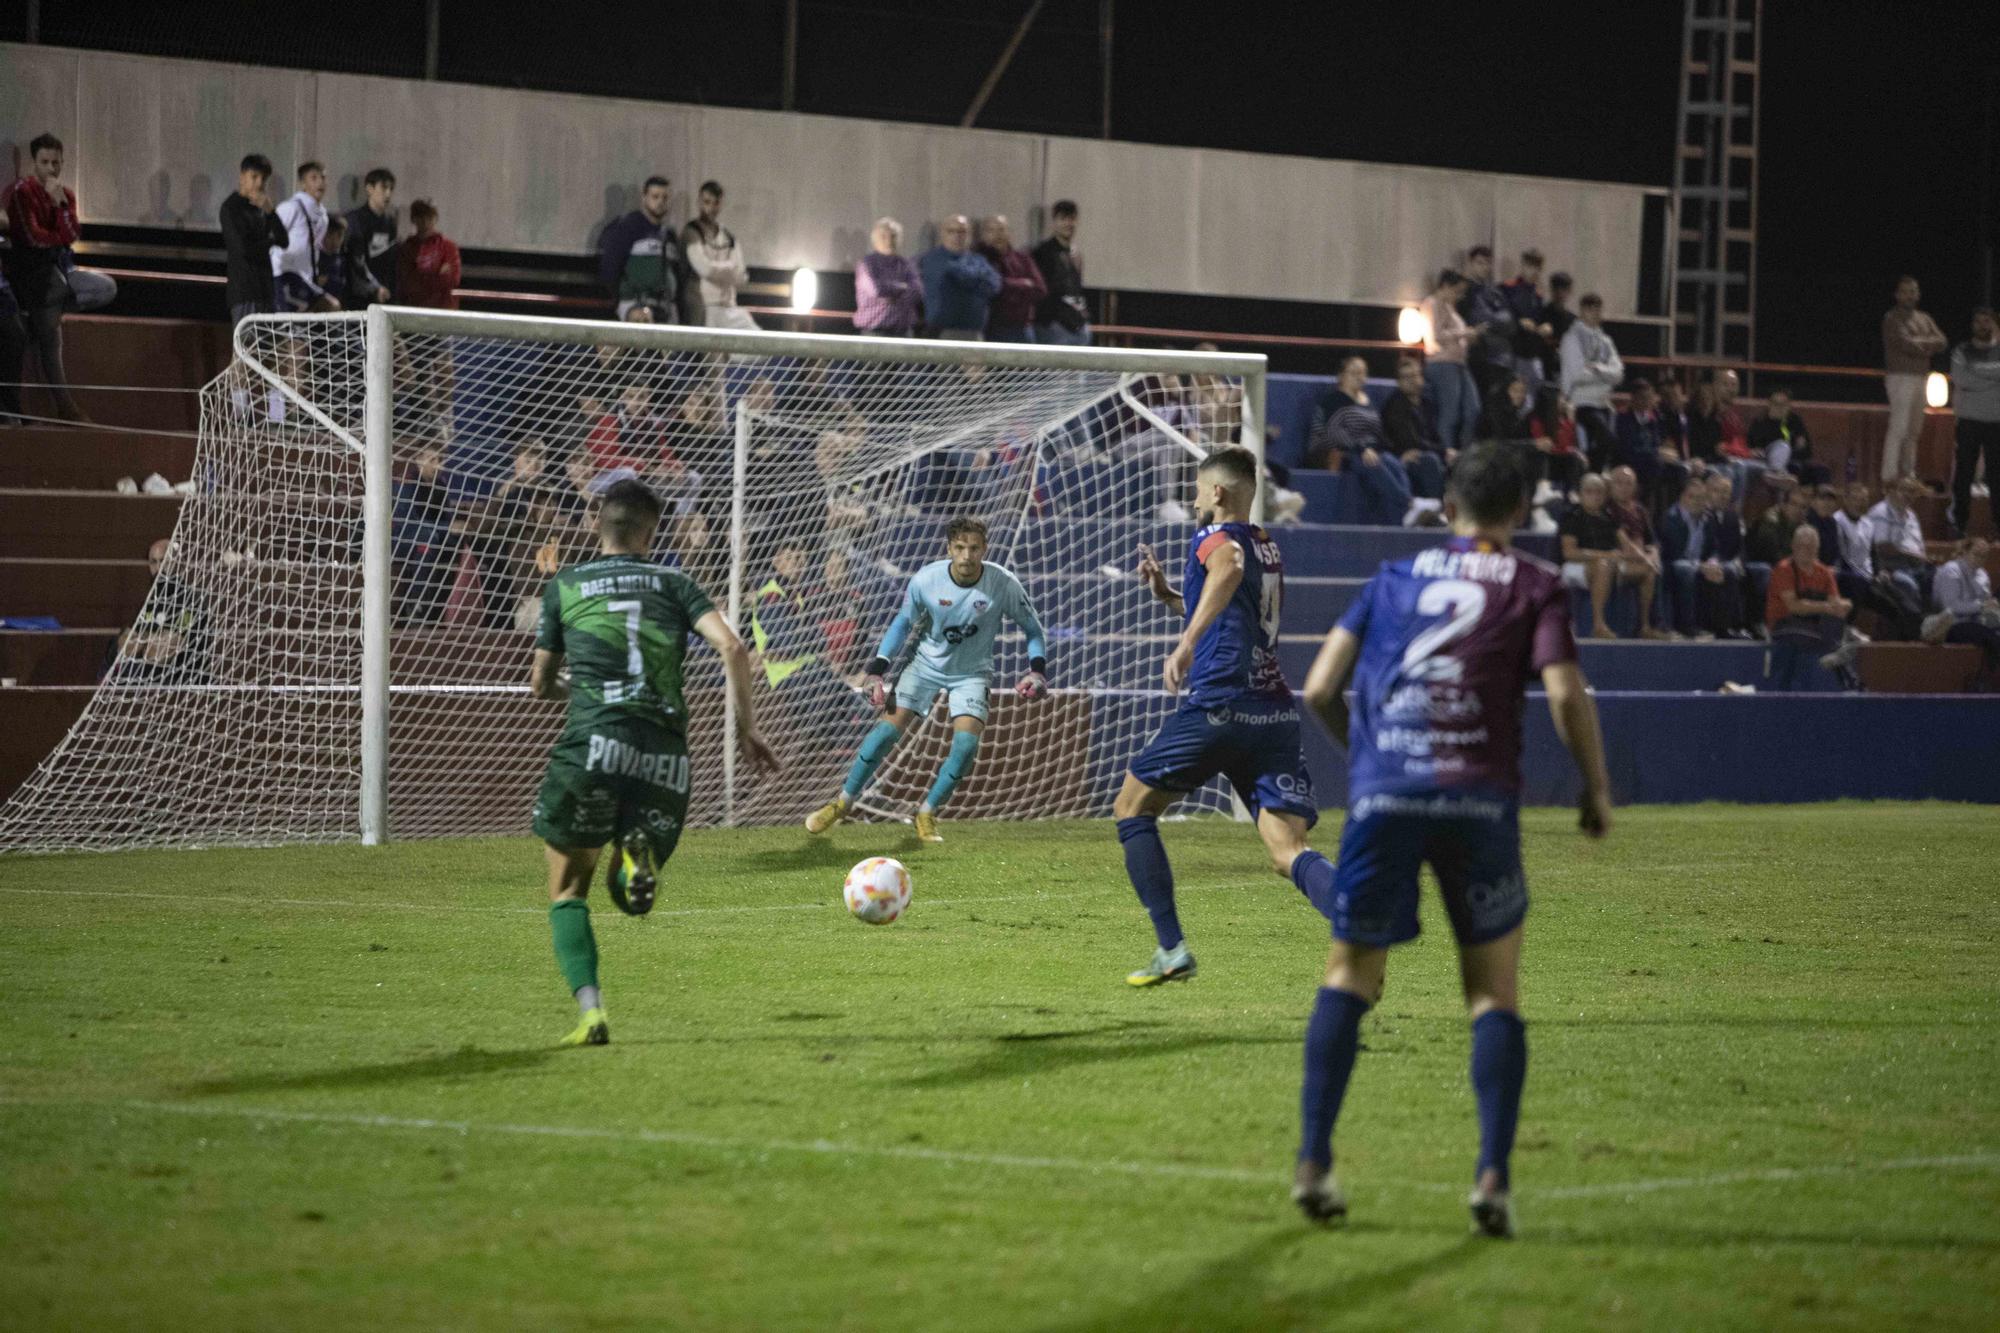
(301, 674)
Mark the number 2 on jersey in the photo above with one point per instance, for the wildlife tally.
(1462, 602)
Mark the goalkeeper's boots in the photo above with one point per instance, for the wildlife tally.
(594, 1030)
(1318, 1194)
(1175, 964)
(824, 818)
(630, 876)
(927, 829)
(1492, 1213)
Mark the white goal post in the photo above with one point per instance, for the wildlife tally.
(337, 646)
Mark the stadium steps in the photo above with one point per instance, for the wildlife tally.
(89, 459)
(80, 525)
(77, 592)
(156, 365)
(1918, 668)
(32, 723)
(55, 657)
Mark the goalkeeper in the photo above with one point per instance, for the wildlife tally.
(961, 601)
(619, 773)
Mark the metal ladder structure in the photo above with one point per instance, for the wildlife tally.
(1712, 288)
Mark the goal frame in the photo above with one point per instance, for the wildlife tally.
(384, 322)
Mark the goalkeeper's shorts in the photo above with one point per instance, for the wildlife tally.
(605, 782)
(919, 686)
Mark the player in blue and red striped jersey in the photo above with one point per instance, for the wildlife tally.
(1238, 719)
(1440, 648)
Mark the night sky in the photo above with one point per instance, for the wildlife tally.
(1873, 124)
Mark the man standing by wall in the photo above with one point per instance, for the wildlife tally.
(1975, 387)
(640, 260)
(959, 286)
(717, 259)
(888, 292)
(1063, 316)
(296, 266)
(1910, 338)
(371, 241)
(1011, 319)
(42, 223)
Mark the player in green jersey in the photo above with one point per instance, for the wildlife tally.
(619, 773)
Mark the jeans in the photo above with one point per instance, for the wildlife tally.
(1906, 420)
(1797, 644)
(1594, 424)
(1457, 398)
(1974, 438)
(1385, 489)
(1426, 473)
(1056, 335)
(79, 289)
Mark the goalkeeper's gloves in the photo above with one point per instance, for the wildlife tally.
(1036, 683)
(877, 684)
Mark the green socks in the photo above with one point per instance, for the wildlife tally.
(576, 946)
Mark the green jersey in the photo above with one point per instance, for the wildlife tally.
(622, 621)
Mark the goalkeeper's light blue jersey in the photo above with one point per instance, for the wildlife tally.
(963, 623)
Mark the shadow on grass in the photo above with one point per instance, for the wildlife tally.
(814, 854)
(1017, 1055)
(465, 1062)
(1236, 1292)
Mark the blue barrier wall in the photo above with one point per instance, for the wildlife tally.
(1675, 749)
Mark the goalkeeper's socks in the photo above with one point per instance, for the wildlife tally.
(1499, 1068)
(875, 747)
(964, 749)
(1332, 1038)
(1146, 865)
(1313, 873)
(576, 945)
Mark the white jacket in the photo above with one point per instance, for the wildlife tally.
(720, 265)
(305, 225)
(1591, 368)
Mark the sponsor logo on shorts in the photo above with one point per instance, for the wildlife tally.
(1244, 717)
(1442, 806)
(615, 758)
(1495, 905)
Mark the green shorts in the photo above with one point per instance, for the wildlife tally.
(608, 781)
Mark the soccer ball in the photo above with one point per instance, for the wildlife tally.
(877, 890)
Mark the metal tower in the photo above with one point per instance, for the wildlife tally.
(1712, 292)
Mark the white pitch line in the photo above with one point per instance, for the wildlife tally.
(1963, 1161)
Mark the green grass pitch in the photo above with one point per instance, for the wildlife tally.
(316, 1088)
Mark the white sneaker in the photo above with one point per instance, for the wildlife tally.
(1541, 524)
(126, 486)
(1420, 511)
(1545, 494)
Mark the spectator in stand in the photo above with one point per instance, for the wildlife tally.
(1557, 315)
(1532, 329)
(43, 225)
(1591, 370)
(1770, 537)
(1636, 541)
(1594, 558)
(1806, 613)
(1693, 577)
(1677, 422)
(1964, 592)
(1896, 538)
(1975, 387)
(639, 259)
(716, 258)
(1411, 426)
(334, 275)
(1011, 317)
(1780, 440)
(503, 531)
(1823, 503)
(168, 641)
(888, 292)
(1552, 432)
(1485, 309)
(1063, 316)
(1642, 446)
(13, 347)
(1854, 566)
(1446, 341)
(295, 267)
(423, 539)
(251, 232)
(371, 241)
(959, 286)
(1910, 338)
(427, 265)
(1507, 411)
(1744, 582)
(1347, 424)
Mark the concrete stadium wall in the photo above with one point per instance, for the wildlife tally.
(155, 142)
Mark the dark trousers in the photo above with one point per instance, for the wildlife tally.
(1595, 423)
(1797, 644)
(1986, 639)
(1974, 438)
(13, 347)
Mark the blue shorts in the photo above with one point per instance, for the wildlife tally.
(1473, 845)
(918, 685)
(1255, 746)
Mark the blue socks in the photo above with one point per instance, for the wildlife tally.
(1499, 1067)
(964, 748)
(1146, 864)
(1332, 1037)
(1313, 874)
(875, 748)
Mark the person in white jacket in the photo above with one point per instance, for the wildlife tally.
(718, 260)
(1591, 369)
(296, 267)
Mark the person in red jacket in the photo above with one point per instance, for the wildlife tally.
(427, 264)
(1011, 318)
(42, 224)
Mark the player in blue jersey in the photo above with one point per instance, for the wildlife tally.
(1439, 649)
(958, 604)
(1238, 718)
